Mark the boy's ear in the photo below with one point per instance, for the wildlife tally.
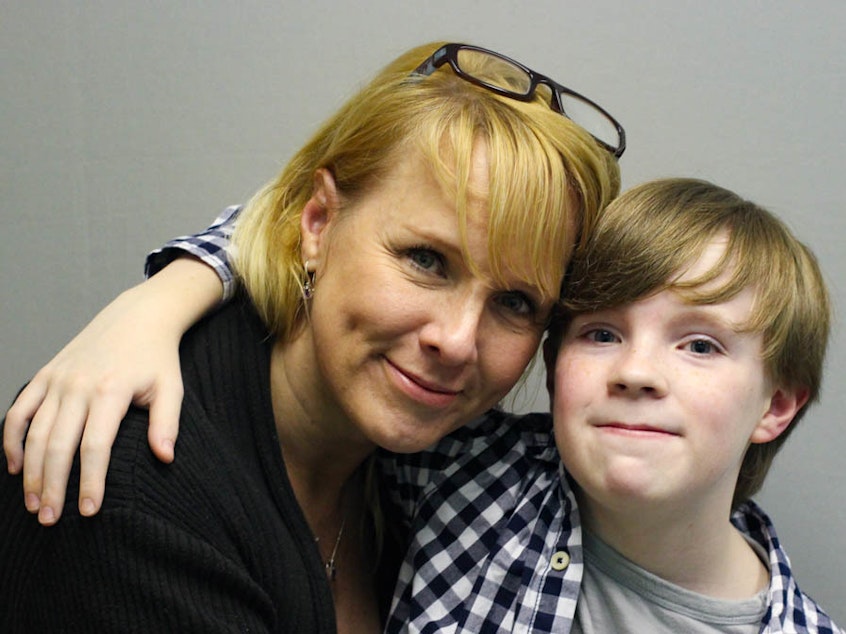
(550, 355)
(785, 403)
(317, 214)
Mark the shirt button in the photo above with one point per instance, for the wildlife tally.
(560, 560)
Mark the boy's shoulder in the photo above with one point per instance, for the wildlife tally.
(496, 427)
(790, 608)
(496, 441)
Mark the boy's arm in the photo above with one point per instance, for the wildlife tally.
(129, 353)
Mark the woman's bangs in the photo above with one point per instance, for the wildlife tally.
(531, 213)
(532, 218)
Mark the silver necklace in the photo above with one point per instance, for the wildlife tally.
(331, 568)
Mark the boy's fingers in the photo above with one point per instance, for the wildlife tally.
(164, 419)
(101, 428)
(17, 422)
(58, 455)
(37, 438)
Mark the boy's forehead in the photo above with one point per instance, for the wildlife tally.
(708, 262)
(713, 275)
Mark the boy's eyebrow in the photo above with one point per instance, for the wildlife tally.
(704, 313)
(707, 313)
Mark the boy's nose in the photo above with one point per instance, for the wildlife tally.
(638, 372)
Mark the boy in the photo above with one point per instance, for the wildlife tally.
(693, 333)
(690, 341)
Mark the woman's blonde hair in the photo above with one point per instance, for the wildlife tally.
(652, 232)
(539, 164)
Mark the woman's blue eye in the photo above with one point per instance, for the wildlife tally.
(425, 259)
(517, 303)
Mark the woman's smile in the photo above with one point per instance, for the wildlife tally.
(421, 390)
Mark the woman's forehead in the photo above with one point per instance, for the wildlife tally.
(519, 238)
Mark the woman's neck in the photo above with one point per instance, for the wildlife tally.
(324, 455)
(321, 446)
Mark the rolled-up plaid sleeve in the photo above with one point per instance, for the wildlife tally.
(210, 246)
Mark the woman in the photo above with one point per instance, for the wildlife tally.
(388, 305)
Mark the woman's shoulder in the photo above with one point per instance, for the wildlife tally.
(139, 483)
(220, 425)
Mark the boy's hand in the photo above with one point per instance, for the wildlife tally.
(125, 355)
(129, 353)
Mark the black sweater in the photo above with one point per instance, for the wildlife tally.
(214, 542)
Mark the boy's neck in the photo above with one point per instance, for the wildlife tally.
(697, 549)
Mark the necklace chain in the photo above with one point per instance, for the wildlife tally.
(331, 568)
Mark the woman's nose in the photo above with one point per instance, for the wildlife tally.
(452, 332)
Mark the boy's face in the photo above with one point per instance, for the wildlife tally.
(655, 402)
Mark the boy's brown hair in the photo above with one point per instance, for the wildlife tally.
(650, 234)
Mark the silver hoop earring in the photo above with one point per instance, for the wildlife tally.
(308, 283)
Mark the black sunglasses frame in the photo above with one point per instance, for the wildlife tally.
(448, 54)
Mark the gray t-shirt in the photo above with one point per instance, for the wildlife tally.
(619, 596)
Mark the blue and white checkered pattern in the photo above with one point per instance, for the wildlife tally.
(496, 543)
(790, 610)
(489, 517)
(209, 246)
(490, 506)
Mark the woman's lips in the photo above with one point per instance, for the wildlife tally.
(421, 390)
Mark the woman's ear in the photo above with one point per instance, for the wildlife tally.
(317, 215)
(784, 404)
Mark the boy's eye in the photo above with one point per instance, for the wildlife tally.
(601, 335)
(701, 346)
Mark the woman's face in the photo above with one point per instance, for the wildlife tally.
(408, 342)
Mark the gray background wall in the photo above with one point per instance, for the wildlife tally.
(123, 123)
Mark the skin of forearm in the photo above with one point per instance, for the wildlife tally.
(188, 287)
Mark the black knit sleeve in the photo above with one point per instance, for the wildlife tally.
(122, 571)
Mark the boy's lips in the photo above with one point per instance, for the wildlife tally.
(637, 428)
